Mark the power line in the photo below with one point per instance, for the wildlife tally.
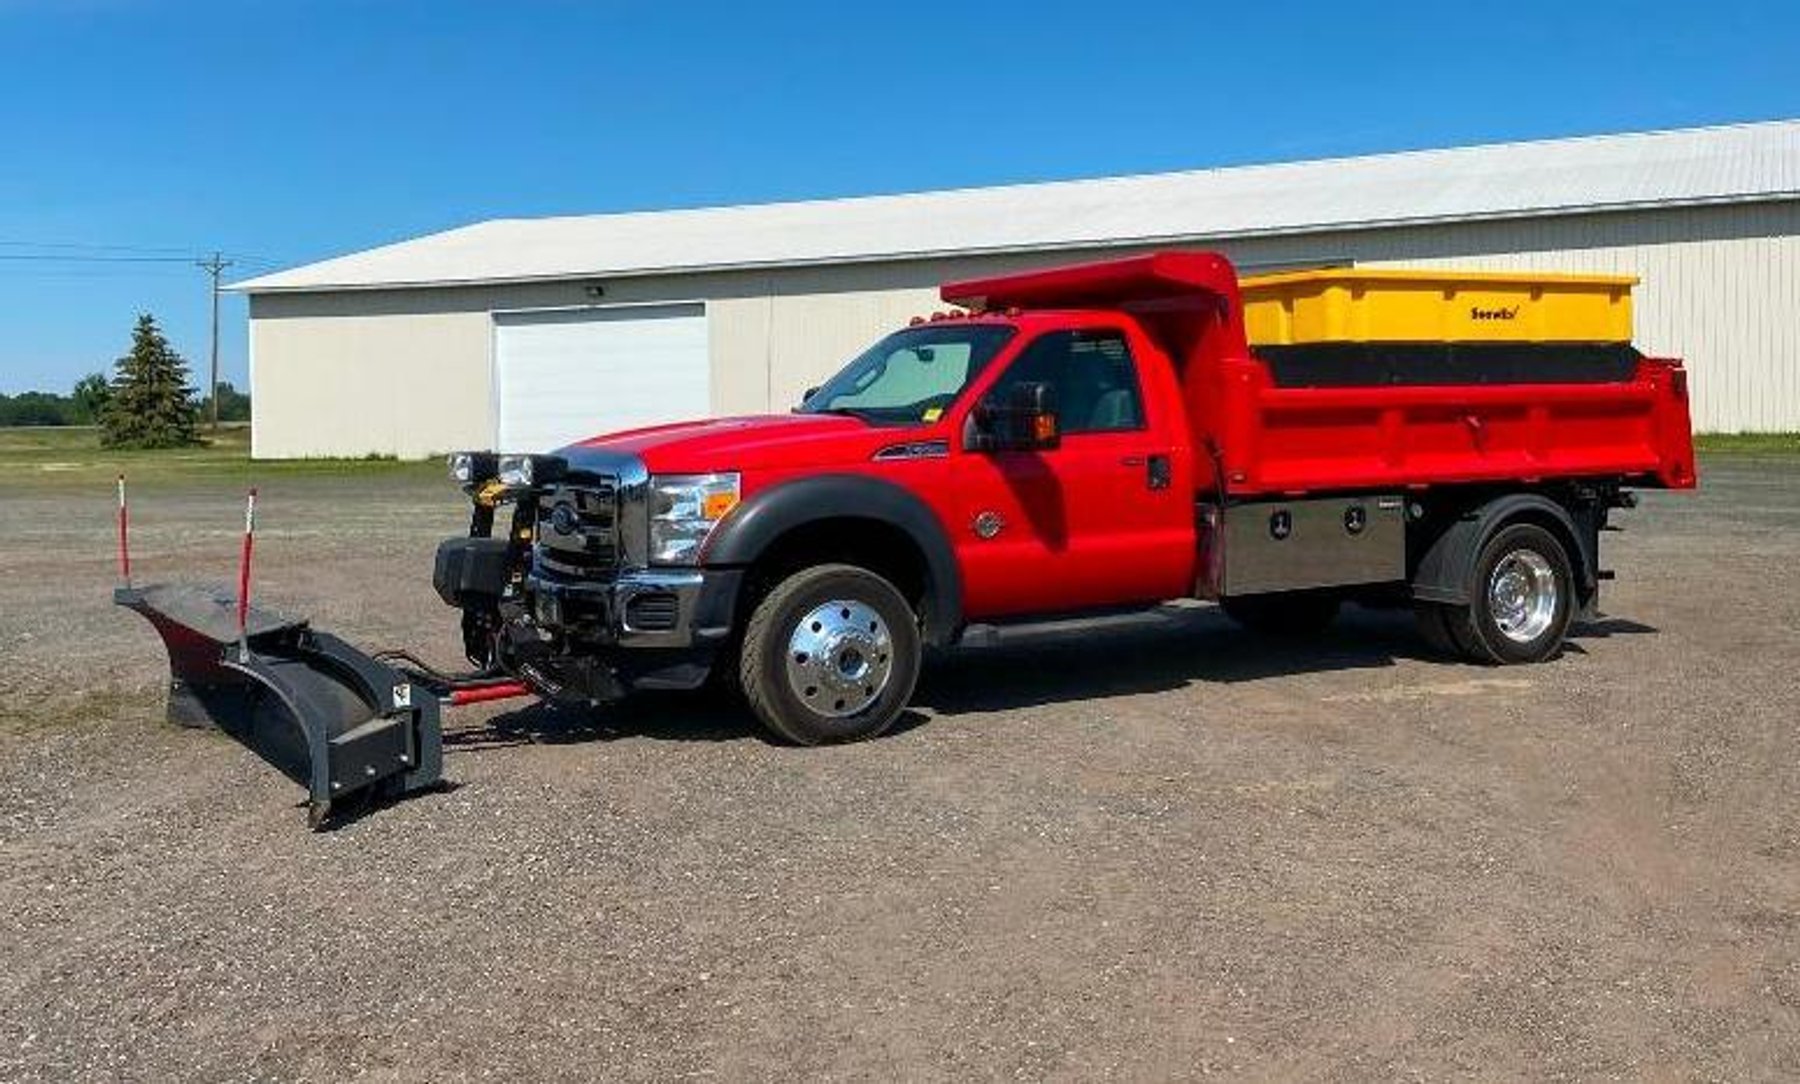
(75, 252)
(9, 242)
(105, 267)
(51, 257)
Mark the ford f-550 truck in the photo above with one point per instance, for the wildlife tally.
(1080, 439)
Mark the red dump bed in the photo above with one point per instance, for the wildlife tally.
(1267, 433)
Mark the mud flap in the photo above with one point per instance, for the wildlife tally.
(326, 715)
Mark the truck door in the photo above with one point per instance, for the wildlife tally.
(1104, 519)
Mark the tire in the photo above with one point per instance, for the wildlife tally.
(830, 655)
(1287, 614)
(1434, 627)
(1521, 599)
(724, 680)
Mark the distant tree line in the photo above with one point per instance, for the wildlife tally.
(148, 403)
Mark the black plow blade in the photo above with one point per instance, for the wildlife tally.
(328, 716)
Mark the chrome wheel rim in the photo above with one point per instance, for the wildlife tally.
(840, 657)
(1522, 595)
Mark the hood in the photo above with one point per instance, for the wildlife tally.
(752, 441)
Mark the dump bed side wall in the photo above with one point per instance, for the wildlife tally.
(1393, 378)
(1271, 439)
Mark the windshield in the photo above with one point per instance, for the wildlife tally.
(912, 375)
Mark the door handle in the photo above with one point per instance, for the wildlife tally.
(1161, 472)
(1158, 472)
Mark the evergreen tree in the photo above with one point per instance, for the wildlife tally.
(151, 405)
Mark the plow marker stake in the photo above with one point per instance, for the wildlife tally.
(243, 606)
(124, 537)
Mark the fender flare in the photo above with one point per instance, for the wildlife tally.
(1443, 574)
(748, 532)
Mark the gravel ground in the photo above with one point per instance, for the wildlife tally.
(1144, 848)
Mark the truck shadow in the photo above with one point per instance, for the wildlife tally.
(1160, 650)
(694, 717)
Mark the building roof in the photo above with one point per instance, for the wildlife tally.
(1684, 167)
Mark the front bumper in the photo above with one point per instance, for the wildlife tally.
(596, 640)
(639, 608)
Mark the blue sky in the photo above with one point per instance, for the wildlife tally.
(290, 131)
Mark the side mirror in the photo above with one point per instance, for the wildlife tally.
(1025, 421)
(804, 396)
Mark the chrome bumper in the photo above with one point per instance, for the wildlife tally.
(619, 611)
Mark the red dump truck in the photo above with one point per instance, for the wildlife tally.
(1088, 438)
(1065, 441)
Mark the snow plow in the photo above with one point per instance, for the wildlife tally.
(347, 725)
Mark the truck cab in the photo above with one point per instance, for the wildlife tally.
(1066, 441)
(1051, 445)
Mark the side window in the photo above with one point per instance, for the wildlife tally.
(1096, 383)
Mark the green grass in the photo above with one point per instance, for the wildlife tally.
(1748, 443)
(72, 456)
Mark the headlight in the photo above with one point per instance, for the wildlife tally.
(683, 510)
(525, 471)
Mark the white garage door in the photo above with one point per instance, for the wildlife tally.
(568, 375)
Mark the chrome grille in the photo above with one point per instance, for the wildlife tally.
(578, 528)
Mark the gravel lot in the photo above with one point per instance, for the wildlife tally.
(1147, 848)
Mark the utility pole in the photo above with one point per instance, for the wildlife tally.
(214, 267)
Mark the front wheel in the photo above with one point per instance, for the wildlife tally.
(830, 655)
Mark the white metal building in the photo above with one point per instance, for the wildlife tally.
(526, 333)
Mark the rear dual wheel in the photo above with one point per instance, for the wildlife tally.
(830, 655)
(1521, 601)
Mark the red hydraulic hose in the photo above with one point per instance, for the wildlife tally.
(481, 694)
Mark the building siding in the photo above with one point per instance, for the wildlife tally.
(409, 372)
